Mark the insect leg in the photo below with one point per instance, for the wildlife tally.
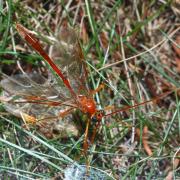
(85, 144)
(101, 86)
(65, 112)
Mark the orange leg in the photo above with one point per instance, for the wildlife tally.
(94, 132)
(65, 112)
(86, 145)
(101, 86)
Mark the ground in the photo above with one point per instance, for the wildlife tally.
(131, 49)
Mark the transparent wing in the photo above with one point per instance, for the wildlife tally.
(68, 56)
(32, 96)
(42, 98)
(32, 85)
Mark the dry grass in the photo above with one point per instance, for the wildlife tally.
(132, 48)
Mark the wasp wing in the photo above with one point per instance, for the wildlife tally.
(17, 95)
(68, 56)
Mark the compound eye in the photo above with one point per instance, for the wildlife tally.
(99, 115)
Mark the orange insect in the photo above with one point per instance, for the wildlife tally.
(67, 89)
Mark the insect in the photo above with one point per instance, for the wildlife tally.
(67, 90)
(57, 97)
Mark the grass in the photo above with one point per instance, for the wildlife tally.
(129, 48)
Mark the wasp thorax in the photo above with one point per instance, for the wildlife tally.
(87, 104)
